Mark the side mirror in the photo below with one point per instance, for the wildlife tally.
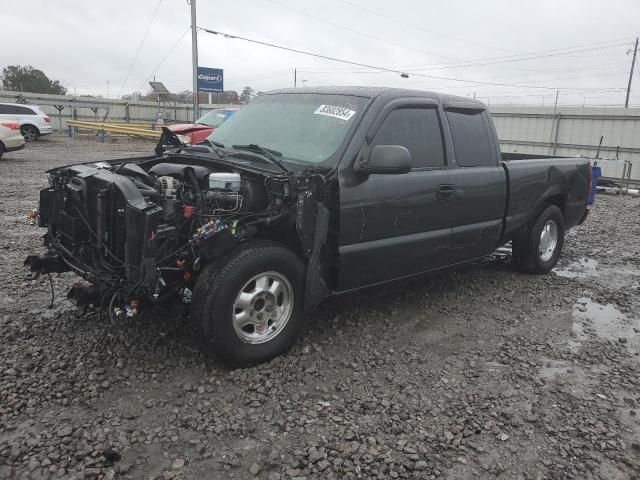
(387, 159)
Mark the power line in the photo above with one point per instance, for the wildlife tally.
(564, 93)
(294, 50)
(364, 65)
(580, 77)
(535, 52)
(418, 27)
(543, 54)
(135, 57)
(576, 68)
(505, 59)
(357, 32)
(511, 60)
(563, 89)
(590, 67)
(175, 45)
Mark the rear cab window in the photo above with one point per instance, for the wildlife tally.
(418, 129)
(472, 139)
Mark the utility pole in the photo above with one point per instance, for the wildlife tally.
(633, 64)
(553, 122)
(295, 78)
(194, 59)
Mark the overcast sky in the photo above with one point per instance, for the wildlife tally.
(86, 44)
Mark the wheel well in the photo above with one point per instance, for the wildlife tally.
(286, 236)
(30, 125)
(557, 200)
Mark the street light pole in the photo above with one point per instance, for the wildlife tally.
(194, 59)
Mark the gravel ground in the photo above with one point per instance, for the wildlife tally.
(475, 373)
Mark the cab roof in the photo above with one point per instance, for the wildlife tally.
(372, 92)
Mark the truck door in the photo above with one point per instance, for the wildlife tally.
(479, 183)
(394, 225)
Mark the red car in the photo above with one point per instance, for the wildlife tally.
(206, 124)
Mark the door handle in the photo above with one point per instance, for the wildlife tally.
(445, 191)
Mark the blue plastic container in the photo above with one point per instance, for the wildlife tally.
(596, 172)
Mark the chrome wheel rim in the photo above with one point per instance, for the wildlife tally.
(29, 134)
(263, 307)
(548, 240)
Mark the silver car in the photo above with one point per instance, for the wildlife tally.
(10, 138)
(33, 121)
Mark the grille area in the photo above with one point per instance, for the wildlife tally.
(94, 217)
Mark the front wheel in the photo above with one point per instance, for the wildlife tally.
(248, 308)
(538, 248)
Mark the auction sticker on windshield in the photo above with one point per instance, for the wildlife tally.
(336, 112)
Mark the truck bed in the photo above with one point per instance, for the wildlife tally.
(532, 178)
(525, 156)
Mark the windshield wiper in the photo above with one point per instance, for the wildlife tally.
(213, 145)
(265, 152)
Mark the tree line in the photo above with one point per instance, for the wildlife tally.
(29, 79)
(19, 78)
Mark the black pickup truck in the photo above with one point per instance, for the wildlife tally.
(304, 193)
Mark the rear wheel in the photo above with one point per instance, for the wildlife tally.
(30, 133)
(248, 308)
(538, 248)
(1, 149)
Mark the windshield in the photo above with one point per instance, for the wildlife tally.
(305, 127)
(214, 118)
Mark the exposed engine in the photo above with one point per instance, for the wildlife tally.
(144, 229)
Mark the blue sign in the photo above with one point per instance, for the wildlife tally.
(210, 79)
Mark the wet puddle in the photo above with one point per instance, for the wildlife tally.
(590, 270)
(605, 321)
(582, 268)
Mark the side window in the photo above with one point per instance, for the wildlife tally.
(419, 130)
(7, 110)
(24, 111)
(472, 141)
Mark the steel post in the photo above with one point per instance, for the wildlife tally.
(194, 58)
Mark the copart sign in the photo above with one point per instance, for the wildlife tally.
(210, 79)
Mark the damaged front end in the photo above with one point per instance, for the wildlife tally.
(141, 230)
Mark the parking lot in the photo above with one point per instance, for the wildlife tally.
(480, 372)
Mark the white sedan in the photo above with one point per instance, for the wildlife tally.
(10, 137)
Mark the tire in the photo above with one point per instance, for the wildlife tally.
(1, 149)
(248, 307)
(537, 249)
(30, 133)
